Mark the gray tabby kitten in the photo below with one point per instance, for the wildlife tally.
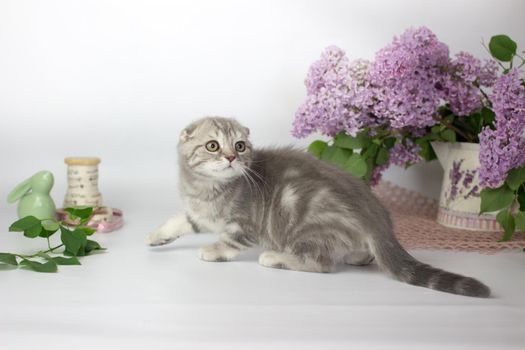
(308, 215)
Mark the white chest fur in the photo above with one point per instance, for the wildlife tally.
(208, 215)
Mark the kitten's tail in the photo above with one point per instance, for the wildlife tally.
(395, 260)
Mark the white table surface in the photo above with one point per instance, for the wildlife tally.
(133, 296)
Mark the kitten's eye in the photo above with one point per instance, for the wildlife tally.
(212, 146)
(240, 146)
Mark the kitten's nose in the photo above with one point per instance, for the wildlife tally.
(230, 158)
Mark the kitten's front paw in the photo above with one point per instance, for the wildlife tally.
(217, 253)
(272, 259)
(158, 238)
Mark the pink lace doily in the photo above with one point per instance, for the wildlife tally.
(415, 224)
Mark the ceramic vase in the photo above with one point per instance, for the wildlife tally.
(459, 201)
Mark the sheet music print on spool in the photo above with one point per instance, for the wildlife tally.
(82, 191)
(82, 179)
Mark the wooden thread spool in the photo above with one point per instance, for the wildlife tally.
(82, 182)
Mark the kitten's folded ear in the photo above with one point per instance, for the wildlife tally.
(247, 131)
(184, 135)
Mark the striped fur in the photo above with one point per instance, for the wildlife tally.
(308, 215)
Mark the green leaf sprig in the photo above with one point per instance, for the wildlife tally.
(509, 201)
(74, 241)
(504, 49)
(360, 154)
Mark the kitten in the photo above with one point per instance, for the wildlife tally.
(307, 214)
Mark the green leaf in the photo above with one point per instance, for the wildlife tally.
(8, 258)
(520, 220)
(44, 255)
(496, 199)
(80, 212)
(369, 169)
(389, 142)
(515, 178)
(60, 260)
(336, 156)
(356, 165)
(50, 225)
(371, 151)
(361, 140)
(74, 241)
(436, 129)
(87, 230)
(506, 220)
(317, 147)
(488, 116)
(382, 156)
(502, 48)
(470, 125)
(92, 246)
(328, 152)
(448, 135)
(45, 233)
(521, 200)
(48, 266)
(427, 152)
(33, 231)
(23, 224)
(30, 225)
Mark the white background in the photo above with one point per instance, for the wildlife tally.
(119, 79)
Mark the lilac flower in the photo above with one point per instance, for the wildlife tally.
(402, 154)
(401, 89)
(503, 149)
(329, 70)
(405, 153)
(500, 151)
(407, 74)
(377, 174)
(338, 96)
(461, 84)
(400, 92)
(488, 73)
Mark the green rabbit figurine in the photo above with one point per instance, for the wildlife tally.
(34, 196)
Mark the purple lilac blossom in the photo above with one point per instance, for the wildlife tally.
(405, 153)
(401, 155)
(488, 73)
(461, 86)
(377, 174)
(503, 149)
(338, 96)
(402, 89)
(406, 73)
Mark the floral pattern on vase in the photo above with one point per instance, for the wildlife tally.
(462, 184)
(460, 200)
